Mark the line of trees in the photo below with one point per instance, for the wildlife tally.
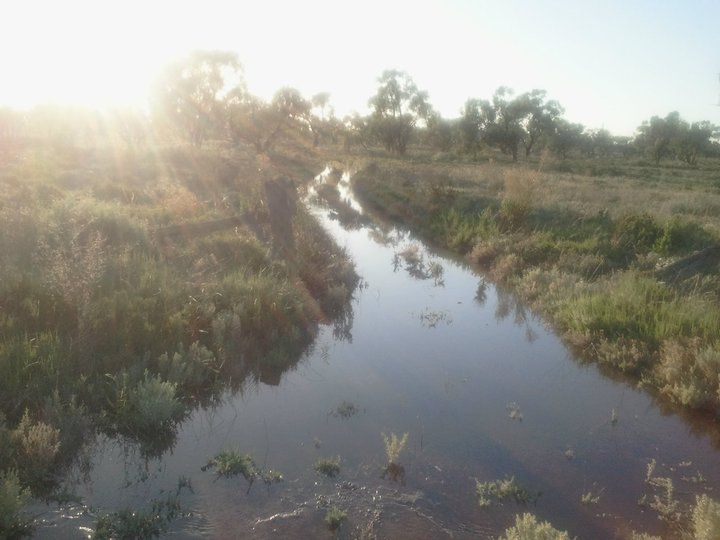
(204, 97)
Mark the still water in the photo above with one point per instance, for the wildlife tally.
(483, 389)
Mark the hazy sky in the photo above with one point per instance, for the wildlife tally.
(610, 63)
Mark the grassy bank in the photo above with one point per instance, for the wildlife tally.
(606, 257)
(136, 285)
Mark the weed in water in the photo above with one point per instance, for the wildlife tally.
(345, 410)
(394, 445)
(334, 518)
(514, 412)
(527, 527)
(498, 490)
(146, 523)
(590, 498)
(329, 467)
(229, 463)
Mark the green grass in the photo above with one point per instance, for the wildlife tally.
(334, 518)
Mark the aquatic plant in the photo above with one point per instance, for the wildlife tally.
(329, 467)
(334, 518)
(514, 412)
(127, 524)
(590, 498)
(345, 410)
(498, 490)
(230, 463)
(13, 497)
(527, 527)
(394, 445)
(664, 502)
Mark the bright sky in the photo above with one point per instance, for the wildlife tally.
(610, 63)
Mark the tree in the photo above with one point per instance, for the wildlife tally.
(477, 114)
(657, 136)
(190, 95)
(320, 125)
(601, 142)
(320, 101)
(253, 121)
(397, 107)
(566, 137)
(440, 132)
(10, 125)
(536, 116)
(130, 125)
(694, 141)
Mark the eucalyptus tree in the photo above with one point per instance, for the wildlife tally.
(259, 123)
(190, 94)
(397, 107)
